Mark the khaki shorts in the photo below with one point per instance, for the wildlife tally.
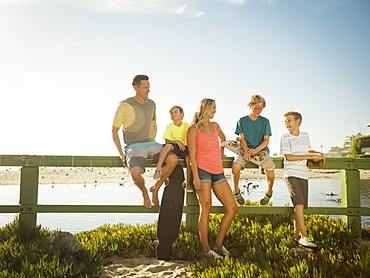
(298, 190)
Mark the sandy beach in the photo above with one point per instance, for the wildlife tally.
(77, 175)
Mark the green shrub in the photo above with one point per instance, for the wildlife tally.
(358, 143)
(260, 246)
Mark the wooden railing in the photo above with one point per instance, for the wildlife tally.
(28, 207)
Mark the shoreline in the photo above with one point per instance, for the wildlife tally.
(79, 175)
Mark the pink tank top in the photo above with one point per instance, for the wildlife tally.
(208, 152)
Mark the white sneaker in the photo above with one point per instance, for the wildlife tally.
(157, 175)
(222, 250)
(307, 242)
(213, 254)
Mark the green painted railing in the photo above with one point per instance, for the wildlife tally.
(28, 207)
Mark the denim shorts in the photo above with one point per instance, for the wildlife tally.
(212, 178)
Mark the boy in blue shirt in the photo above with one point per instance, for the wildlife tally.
(296, 148)
(254, 132)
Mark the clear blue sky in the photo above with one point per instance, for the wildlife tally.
(65, 65)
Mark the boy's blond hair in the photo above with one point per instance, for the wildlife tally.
(256, 100)
(178, 107)
(296, 115)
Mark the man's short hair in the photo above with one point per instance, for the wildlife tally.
(137, 79)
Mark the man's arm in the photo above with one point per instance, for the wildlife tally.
(154, 128)
(115, 128)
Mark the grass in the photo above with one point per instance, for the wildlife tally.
(260, 246)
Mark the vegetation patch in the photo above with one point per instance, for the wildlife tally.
(260, 246)
(358, 143)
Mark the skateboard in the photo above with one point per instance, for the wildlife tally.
(261, 159)
(170, 214)
(311, 162)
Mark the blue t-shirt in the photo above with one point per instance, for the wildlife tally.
(254, 131)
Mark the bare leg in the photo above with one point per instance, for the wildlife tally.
(236, 168)
(270, 179)
(139, 181)
(224, 194)
(171, 162)
(299, 221)
(205, 203)
(162, 156)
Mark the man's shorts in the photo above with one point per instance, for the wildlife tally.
(212, 178)
(137, 154)
(176, 150)
(298, 190)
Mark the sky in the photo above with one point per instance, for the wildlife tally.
(66, 64)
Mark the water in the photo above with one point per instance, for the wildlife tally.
(128, 194)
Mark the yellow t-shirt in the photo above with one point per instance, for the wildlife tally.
(176, 133)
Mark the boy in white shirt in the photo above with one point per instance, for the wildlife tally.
(296, 148)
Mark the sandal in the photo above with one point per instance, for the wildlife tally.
(239, 199)
(265, 200)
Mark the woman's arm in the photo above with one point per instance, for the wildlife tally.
(191, 139)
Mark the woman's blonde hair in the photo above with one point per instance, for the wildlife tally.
(256, 100)
(200, 116)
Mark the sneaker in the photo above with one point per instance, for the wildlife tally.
(265, 200)
(189, 188)
(239, 198)
(213, 254)
(221, 250)
(157, 175)
(307, 242)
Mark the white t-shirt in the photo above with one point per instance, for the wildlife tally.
(295, 145)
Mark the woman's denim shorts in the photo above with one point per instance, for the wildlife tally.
(212, 178)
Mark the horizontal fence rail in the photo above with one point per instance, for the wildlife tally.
(28, 207)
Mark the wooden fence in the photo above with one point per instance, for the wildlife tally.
(28, 207)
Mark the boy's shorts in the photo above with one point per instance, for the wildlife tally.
(298, 190)
(239, 159)
(176, 150)
(137, 154)
(212, 178)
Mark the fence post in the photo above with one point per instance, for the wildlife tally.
(28, 196)
(350, 189)
(192, 217)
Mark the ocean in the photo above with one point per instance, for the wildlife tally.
(322, 192)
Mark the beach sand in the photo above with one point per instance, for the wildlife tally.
(77, 175)
(142, 266)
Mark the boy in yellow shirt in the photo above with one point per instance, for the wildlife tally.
(175, 136)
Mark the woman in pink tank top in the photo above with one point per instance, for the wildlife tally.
(205, 155)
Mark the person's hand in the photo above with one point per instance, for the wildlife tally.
(316, 157)
(181, 146)
(246, 156)
(198, 184)
(123, 159)
(252, 152)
